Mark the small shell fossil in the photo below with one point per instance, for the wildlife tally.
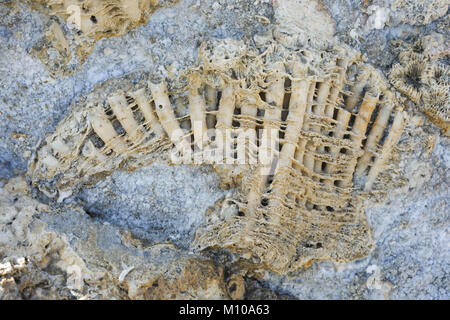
(292, 129)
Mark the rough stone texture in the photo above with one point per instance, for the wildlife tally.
(148, 202)
(68, 254)
(371, 25)
(63, 254)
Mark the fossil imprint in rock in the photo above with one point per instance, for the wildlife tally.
(299, 132)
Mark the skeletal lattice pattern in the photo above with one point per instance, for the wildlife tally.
(299, 132)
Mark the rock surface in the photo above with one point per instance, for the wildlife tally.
(128, 237)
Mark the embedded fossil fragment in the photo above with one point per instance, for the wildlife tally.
(235, 287)
(98, 138)
(53, 50)
(406, 78)
(332, 115)
(299, 132)
(436, 74)
(437, 106)
(87, 22)
(425, 82)
(97, 19)
(435, 95)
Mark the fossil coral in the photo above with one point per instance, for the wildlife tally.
(436, 74)
(96, 18)
(437, 106)
(425, 82)
(435, 95)
(87, 21)
(298, 204)
(98, 138)
(292, 129)
(406, 78)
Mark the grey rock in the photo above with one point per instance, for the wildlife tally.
(161, 203)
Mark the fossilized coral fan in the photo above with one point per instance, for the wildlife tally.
(293, 128)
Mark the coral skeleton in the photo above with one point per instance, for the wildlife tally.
(406, 78)
(100, 18)
(77, 24)
(425, 82)
(437, 106)
(292, 130)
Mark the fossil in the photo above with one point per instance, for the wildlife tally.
(406, 78)
(300, 133)
(425, 82)
(86, 21)
(436, 106)
(97, 18)
(53, 50)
